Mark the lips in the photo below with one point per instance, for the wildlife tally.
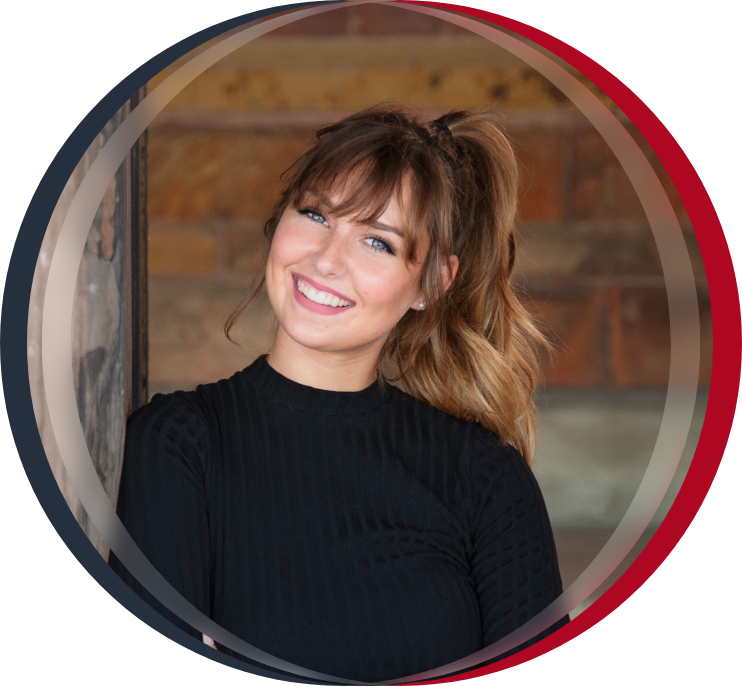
(323, 289)
(320, 299)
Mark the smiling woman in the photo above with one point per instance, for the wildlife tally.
(359, 502)
(357, 274)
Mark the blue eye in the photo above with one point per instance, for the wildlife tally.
(380, 245)
(314, 216)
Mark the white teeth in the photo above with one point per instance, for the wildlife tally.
(320, 297)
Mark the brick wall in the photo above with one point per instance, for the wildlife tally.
(588, 261)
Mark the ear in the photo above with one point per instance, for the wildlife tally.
(449, 272)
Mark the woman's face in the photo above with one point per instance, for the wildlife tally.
(337, 285)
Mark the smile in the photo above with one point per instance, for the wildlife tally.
(319, 300)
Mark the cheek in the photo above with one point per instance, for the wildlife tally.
(275, 270)
(281, 248)
(391, 293)
(272, 267)
(286, 250)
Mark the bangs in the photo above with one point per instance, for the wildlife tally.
(363, 184)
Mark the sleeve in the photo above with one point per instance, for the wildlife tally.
(162, 500)
(514, 563)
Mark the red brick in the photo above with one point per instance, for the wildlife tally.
(639, 324)
(542, 166)
(177, 250)
(218, 174)
(564, 253)
(572, 324)
(245, 251)
(614, 252)
(602, 189)
(187, 344)
(382, 19)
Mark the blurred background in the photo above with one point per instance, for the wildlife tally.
(588, 263)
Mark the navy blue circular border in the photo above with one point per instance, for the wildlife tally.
(14, 350)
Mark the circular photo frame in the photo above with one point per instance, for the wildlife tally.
(548, 57)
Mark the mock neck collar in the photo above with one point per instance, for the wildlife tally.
(270, 383)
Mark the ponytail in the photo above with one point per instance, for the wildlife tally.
(473, 351)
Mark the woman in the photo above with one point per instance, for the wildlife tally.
(358, 528)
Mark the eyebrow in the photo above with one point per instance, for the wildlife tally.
(379, 226)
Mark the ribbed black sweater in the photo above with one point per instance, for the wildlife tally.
(364, 535)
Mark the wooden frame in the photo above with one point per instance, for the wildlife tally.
(135, 269)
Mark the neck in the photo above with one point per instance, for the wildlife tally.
(330, 371)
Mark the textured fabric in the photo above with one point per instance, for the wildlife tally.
(363, 535)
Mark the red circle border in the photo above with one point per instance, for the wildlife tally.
(726, 331)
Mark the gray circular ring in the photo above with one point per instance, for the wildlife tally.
(684, 332)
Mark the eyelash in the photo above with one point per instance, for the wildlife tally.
(308, 212)
(312, 214)
(387, 248)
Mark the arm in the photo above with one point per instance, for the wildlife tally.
(514, 563)
(162, 500)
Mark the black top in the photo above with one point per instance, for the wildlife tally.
(365, 535)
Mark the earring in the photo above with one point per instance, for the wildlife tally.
(421, 305)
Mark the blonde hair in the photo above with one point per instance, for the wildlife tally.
(473, 351)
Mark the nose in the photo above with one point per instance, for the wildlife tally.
(330, 257)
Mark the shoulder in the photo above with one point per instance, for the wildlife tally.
(504, 494)
(179, 408)
(502, 468)
(480, 458)
(194, 418)
(492, 475)
(411, 412)
(480, 448)
(169, 424)
(175, 433)
(196, 408)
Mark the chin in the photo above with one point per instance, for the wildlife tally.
(316, 338)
